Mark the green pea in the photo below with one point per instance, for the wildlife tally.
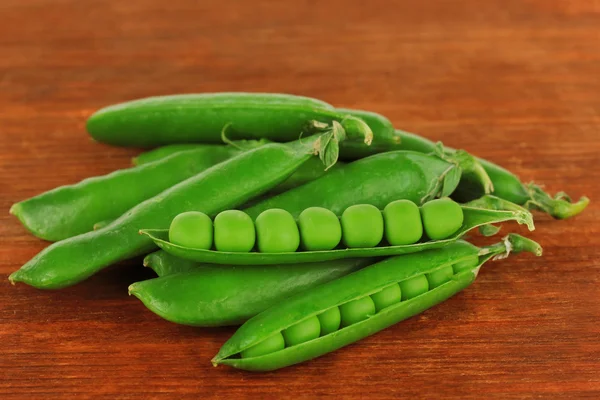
(362, 226)
(356, 310)
(441, 218)
(470, 262)
(277, 232)
(402, 223)
(440, 276)
(303, 331)
(414, 287)
(387, 297)
(234, 231)
(320, 229)
(192, 229)
(330, 320)
(269, 345)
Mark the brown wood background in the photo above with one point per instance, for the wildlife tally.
(515, 81)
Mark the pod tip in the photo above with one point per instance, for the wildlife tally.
(14, 209)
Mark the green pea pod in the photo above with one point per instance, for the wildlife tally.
(224, 186)
(473, 217)
(163, 264)
(166, 151)
(506, 184)
(462, 259)
(157, 121)
(211, 295)
(73, 209)
(377, 180)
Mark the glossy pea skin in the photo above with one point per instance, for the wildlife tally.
(267, 346)
(207, 295)
(387, 296)
(320, 229)
(356, 310)
(394, 269)
(440, 276)
(402, 221)
(192, 229)
(234, 231)
(362, 226)
(187, 118)
(468, 263)
(403, 174)
(71, 210)
(225, 186)
(277, 232)
(330, 320)
(441, 218)
(302, 332)
(414, 287)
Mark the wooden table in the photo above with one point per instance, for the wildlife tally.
(514, 81)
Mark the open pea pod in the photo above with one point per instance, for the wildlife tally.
(495, 211)
(301, 328)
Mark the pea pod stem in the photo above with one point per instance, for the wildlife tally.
(506, 184)
(473, 218)
(354, 286)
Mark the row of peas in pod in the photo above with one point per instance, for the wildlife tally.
(275, 230)
(357, 310)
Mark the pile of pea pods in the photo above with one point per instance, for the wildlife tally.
(309, 226)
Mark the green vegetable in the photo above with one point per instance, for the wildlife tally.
(330, 320)
(165, 264)
(156, 121)
(486, 211)
(277, 232)
(349, 293)
(362, 226)
(269, 345)
(216, 295)
(441, 218)
(356, 310)
(192, 229)
(402, 222)
(506, 184)
(375, 180)
(442, 275)
(387, 296)
(234, 231)
(414, 287)
(320, 229)
(74, 209)
(301, 332)
(224, 186)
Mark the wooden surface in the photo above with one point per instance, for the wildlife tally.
(515, 81)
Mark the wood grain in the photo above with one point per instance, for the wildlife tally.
(515, 81)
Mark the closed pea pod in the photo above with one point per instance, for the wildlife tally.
(355, 286)
(359, 230)
(224, 186)
(161, 120)
(71, 210)
(307, 172)
(197, 294)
